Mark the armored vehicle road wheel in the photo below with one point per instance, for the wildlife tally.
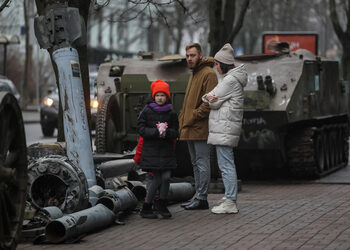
(13, 171)
(319, 152)
(313, 152)
(108, 125)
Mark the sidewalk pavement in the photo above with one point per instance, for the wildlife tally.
(300, 215)
(31, 116)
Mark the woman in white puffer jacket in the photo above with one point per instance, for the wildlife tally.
(225, 122)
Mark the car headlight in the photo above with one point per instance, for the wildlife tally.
(48, 101)
(94, 104)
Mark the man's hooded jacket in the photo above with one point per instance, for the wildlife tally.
(193, 117)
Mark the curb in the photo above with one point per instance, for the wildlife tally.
(30, 121)
(31, 108)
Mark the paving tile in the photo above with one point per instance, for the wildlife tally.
(272, 216)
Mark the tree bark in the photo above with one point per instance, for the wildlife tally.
(343, 35)
(24, 87)
(100, 29)
(111, 36)
(223, 28)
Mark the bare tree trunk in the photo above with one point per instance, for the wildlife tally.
(88, 31)
(166, 41)
(111, 26)
(100, 28)
(150, 38)
(344, 36)
(221, 21)
(24, 87)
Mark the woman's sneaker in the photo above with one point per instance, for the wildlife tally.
(226, 207)
(223, 199)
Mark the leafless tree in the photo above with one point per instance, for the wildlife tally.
(225, 22)
(162, 23)
(286, 15)
(340, 16)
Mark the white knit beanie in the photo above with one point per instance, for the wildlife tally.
(225, 55)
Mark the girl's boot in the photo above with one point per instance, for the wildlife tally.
(161, 206)
(147, 211)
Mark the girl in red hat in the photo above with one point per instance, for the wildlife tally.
(158, 125)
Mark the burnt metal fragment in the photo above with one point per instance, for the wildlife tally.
(55, 181)
(75, 224)
(120, 200)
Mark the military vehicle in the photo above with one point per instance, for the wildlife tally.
(296, 115)
(296, 118)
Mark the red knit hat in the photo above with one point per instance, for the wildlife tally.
(160, 86)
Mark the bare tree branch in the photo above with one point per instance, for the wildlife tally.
(5, 4)
(240, 20)
(347, 11)
(161, 14)
(98, 6)
(335, 20)
(148, 4)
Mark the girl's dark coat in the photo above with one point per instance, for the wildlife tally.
(157, 153)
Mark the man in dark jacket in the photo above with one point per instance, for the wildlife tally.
(193, 121)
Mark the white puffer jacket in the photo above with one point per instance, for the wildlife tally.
(226, 114)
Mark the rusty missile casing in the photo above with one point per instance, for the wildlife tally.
(117, 167)
(76, 128)
(60, 30)
(181, 191)
(138, 188)
(73, 225)
(52, 212)
(113, 183)
(120, 200)
(95, 192)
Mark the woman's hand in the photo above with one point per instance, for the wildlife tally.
(211, 97)
(162, 135)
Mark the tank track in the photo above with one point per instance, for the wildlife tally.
(317, 151)
(101, 119)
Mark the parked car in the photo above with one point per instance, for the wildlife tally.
(50, 106)
(8, 86)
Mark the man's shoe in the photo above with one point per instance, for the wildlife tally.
(227, 207)
(183, 205)
(197, 205)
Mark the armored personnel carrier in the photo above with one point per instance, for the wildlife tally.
(296, 115)
(296, 112)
